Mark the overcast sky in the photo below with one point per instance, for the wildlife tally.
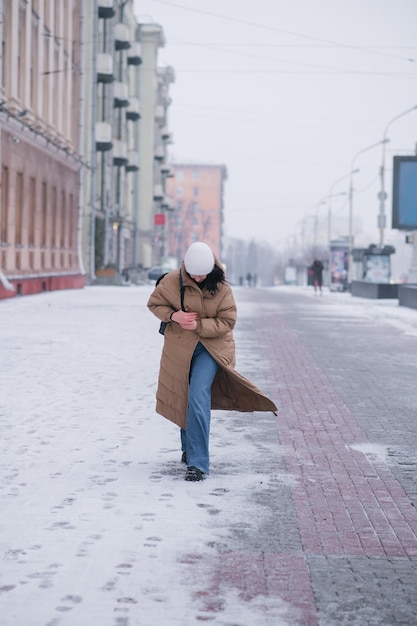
(285, 94)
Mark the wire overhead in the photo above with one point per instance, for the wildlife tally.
(237, 20)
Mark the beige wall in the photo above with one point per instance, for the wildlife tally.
(39, 137)
(40, 198)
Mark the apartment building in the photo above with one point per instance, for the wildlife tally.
(84, 169)
(197, 201)
(112, 59)
(126, 112)
(39, 146)
(155, 139)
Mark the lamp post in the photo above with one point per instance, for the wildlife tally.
(330, 196)
(316, 219)
(352, 170)
(382, 195)
(325, 200)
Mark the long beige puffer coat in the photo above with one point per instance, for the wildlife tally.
(217, 317)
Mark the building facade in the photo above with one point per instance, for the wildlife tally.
(83, 170)
(112, 58)
(154, 142)
(40, 149)
(197, 197)
(125, 115)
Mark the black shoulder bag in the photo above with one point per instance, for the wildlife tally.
(163, 325)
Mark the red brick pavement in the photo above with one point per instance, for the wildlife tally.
(346, 502)
(260, 577)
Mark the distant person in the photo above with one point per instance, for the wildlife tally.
(249, 279)
(197, 371)
(317, 269)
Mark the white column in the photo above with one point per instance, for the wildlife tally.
(27, 61)
(13, 49)
(49, 67)
(59, 75)
(68, 43)
(40, 68)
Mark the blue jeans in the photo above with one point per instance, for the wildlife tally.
(195, 439)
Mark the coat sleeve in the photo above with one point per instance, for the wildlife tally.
(160, 302)
(223, 322)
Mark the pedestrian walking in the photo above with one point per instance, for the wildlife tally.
(317, 269)
(197, 369)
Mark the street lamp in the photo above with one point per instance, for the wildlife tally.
(352, 170)
(382, 196)
(325, 200)
(316, 219)
(330, 196)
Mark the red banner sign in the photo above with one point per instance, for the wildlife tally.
(159, 219)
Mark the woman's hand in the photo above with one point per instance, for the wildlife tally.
(186, 319)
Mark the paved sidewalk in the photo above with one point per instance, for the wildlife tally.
(345, 381)
(307, 518)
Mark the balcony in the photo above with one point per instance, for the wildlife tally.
(167, 204)
(134, 56)
(159, 113)
(121, 37)
(165, 132)
(103, 137)
(121, 95)
(133, 161)
(105, 68)
(158, 193)
(159, 153)
(166, 170)
(133, 110)
(106, 9)
(119, 153)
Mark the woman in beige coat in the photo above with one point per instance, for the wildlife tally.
(197, 364)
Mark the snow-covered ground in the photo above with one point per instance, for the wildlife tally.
(97, 525)
(343, 304)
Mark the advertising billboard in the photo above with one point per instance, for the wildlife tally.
(404, 196)
(376, 268)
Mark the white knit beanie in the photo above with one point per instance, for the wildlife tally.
(199, 259)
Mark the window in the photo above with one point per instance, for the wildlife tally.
(180, 175)
(180, 191)
(63, 220)
(71, 220)
(32, 211)
(54, 218)
(4, 205)
(44, 209)
(196, 175)
(195, 191)
(19, 210)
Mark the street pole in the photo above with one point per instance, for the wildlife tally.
(316, 220)
(382, 195)
(329, 212)
(352, 170)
